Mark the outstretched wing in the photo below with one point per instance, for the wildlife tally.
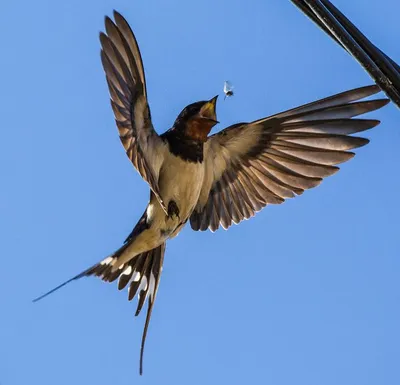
(250, 165)
(123, 66)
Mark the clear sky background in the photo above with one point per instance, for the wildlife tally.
(305, 293)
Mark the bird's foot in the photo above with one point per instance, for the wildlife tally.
(173, 210)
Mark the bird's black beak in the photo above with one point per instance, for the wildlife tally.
(208, 111)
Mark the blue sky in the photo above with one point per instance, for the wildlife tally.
(304, 293)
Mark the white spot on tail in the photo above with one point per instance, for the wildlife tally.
(107, 261)
(143, 284)
(127, 271)
(152, 285)
(135, 277)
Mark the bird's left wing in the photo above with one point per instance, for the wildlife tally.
(124, 71)
(250, 165)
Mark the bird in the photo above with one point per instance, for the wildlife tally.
(212, 181)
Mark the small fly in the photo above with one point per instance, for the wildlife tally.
(228, 89)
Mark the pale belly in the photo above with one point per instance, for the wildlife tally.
(180, 182)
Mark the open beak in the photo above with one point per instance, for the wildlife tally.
(208, 111)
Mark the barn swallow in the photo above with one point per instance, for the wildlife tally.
(384, 70)
(212, 181)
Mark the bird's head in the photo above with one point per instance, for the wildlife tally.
(197, 119)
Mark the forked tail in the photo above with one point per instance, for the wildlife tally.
(141, 274)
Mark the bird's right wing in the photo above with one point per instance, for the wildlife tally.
(124, 71)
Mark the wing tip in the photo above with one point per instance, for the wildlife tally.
(374, 88)
(107, 19)
(374, 122)
(384, 102)
(119, 19)
(116, 13)
(364, 142)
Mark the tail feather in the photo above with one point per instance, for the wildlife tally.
(141, 274)
(59, 287)
(150, 291)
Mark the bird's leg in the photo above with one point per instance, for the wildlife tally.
(173, 209)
